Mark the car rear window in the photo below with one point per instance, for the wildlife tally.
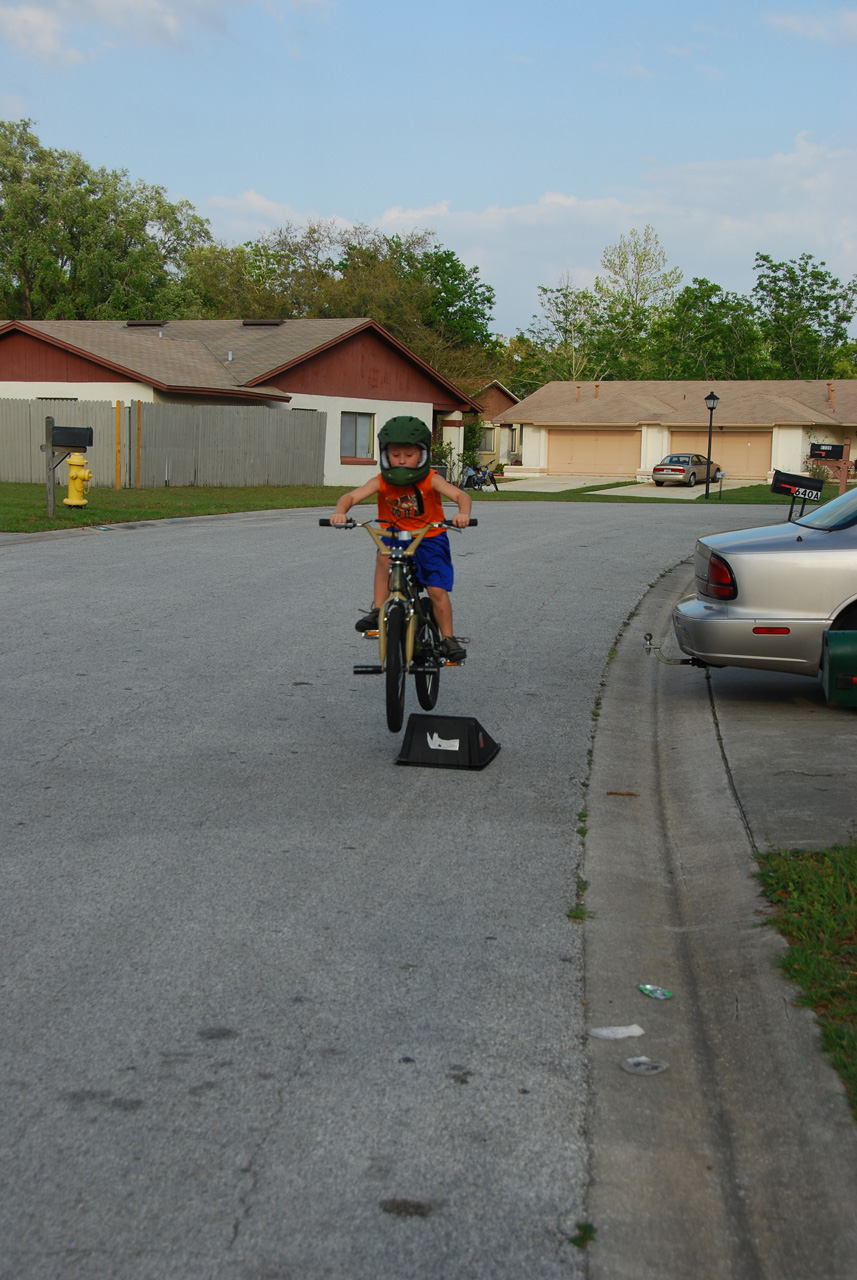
(840, 513)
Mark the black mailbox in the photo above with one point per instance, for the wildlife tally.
(832, 451)
(798, 488)
(71, 437)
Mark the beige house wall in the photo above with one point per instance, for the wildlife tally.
(789, 443)
(112, 391)
(350, 473)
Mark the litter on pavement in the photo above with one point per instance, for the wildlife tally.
(616, 1033)
(642, 1066)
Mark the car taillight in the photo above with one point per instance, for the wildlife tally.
(771, 631)
(720, 581)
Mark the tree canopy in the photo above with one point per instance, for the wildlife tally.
(804, 313)
(84, 243)
(420, 291)
(636, 323)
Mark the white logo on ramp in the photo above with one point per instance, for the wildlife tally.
(437, 743)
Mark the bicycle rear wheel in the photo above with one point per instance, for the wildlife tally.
(395, 668)
(427, 682)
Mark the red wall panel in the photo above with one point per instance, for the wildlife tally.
(364, 366)
(24, 358)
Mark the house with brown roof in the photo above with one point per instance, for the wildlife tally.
(499, 443)
(353, 370)
(623, 429)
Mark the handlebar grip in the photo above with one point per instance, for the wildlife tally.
(473, 524)
(324, 522)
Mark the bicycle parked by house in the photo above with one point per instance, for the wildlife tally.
(408, 635)
(478, 478)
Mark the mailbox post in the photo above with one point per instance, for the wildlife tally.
(837, 459)
(59, 443)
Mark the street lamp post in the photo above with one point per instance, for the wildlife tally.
(711, 401)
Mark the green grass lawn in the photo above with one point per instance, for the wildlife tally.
(814, 896)
(22, 506)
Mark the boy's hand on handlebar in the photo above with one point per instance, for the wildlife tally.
(339, 517)
(460, 520)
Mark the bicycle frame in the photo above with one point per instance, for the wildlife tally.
(403, 587)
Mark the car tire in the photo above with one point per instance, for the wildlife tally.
(691, 481)
(659, 484)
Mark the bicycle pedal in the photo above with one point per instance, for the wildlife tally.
(374, 670)
(371, 635)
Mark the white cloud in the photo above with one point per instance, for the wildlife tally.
(711, 218)
(37, 31)
(251, 215)
(835, 27)
(48, 30)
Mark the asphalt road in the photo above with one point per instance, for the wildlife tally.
(273, 1007)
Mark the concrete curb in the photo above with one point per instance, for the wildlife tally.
(740, 1160)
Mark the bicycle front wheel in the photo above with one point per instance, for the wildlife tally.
(427, 682)
(395, 668)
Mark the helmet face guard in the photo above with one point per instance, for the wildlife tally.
(407, 431)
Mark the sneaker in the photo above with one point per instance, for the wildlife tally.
(453, 649)
(369, 622)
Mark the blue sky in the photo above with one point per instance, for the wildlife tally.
(528, 136)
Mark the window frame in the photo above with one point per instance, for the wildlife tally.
(352, 455)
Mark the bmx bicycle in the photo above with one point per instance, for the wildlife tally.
(408, 636)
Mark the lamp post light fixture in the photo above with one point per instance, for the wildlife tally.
(711, 402)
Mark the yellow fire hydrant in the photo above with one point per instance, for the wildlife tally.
(78, 481)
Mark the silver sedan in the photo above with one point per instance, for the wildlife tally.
(765, 597)
(684, 468)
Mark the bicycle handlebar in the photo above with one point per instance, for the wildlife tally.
(354, 524)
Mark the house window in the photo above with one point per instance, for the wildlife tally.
(487, 443)
(513, 439)
(356, 435)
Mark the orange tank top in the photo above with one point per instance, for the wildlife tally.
(410, 506)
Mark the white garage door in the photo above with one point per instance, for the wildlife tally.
(743, 455)
(573, 452)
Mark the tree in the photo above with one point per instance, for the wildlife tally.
(636, 269)
(589, 334)
(417, 289)
(564, 341)
(707, 333)
(84, 243)
(804, 313)
(461, 304)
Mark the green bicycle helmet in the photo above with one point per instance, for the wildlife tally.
(405, 430)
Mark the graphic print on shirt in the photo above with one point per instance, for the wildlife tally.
(407, 506)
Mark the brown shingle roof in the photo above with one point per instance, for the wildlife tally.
(683, 403)
(192, 355)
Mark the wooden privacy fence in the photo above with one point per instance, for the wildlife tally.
(146, 445)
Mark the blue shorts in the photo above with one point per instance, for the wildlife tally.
(434, 562)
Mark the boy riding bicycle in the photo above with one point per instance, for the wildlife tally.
(409, 497)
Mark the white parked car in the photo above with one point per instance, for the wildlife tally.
(765, 597)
